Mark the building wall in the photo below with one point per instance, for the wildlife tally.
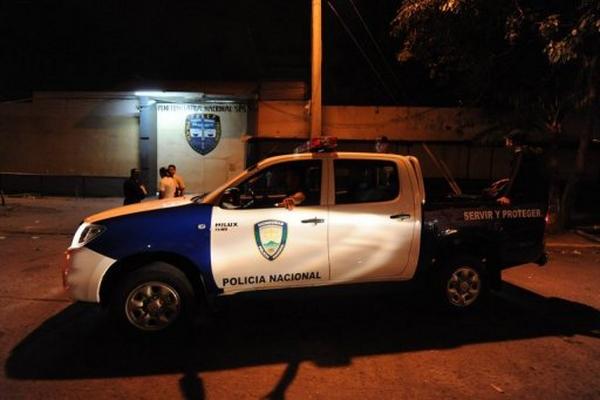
(86, 143)
(291, 119)
(453, 134)
(70, 134)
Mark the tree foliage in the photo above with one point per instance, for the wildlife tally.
(536, 57)
(531, 55)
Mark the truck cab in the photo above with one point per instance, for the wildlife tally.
(359, 221)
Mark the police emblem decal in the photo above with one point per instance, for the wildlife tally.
(270, 236)
(203, 132)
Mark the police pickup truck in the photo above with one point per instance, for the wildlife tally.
(300, 220)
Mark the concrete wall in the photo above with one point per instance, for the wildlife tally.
(449, 132)
(291, 120)
(70, 134)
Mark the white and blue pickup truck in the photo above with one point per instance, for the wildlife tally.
(299, 220)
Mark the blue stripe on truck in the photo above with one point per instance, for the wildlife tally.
(183, 230)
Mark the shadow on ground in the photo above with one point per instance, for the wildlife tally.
(327, 328)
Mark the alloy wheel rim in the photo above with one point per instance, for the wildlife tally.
(152, 306)
(463, 287)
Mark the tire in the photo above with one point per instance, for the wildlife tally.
(154, 299)
(463, 286)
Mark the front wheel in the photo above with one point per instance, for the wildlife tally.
(155, 298)
(464, 285)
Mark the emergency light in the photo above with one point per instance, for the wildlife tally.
(321, 144)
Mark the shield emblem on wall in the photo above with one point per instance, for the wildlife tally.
(202, 132)
(270, 236)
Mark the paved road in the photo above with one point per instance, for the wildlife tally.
(540, 337)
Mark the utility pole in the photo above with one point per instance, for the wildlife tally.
(317, 57)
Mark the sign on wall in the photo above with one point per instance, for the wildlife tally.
(202, 132)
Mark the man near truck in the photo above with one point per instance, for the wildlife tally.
(167, 186)
(134, 190)
(527, 181)
(178, 180)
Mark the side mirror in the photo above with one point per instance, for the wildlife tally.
(231, 198)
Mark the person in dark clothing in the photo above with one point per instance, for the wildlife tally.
(133, 189)
(527, 181)
(382, 144)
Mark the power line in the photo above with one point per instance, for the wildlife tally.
(362, 51)
(385, 61)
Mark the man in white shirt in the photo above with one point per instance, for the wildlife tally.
(178, 180)
(167, 186)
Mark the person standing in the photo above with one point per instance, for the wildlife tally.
(178, 180)
(382, 144)
(167, 186)
(527, 180)
(134, 190)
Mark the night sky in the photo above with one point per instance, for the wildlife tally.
(120, 45)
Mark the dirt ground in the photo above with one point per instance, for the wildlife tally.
(538, 339)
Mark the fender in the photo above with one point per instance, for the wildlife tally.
(135, 261)
(181, 233)
(443, 246)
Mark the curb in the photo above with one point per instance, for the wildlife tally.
(559, 245)
(588, 236)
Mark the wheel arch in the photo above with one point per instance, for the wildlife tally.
(473, 244)
(137, 261)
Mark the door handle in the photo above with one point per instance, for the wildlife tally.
(313, 221)
(401, 217)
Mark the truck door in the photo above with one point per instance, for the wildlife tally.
(255, 243)
(373, 224)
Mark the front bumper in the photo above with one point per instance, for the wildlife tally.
(83, 272)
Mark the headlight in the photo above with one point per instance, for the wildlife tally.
(86, 233)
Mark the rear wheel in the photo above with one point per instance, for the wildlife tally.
(155, 298)
(464, 285)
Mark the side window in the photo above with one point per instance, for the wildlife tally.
(270, 186)
(365, 181)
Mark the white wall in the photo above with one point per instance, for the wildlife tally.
(202, 172)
